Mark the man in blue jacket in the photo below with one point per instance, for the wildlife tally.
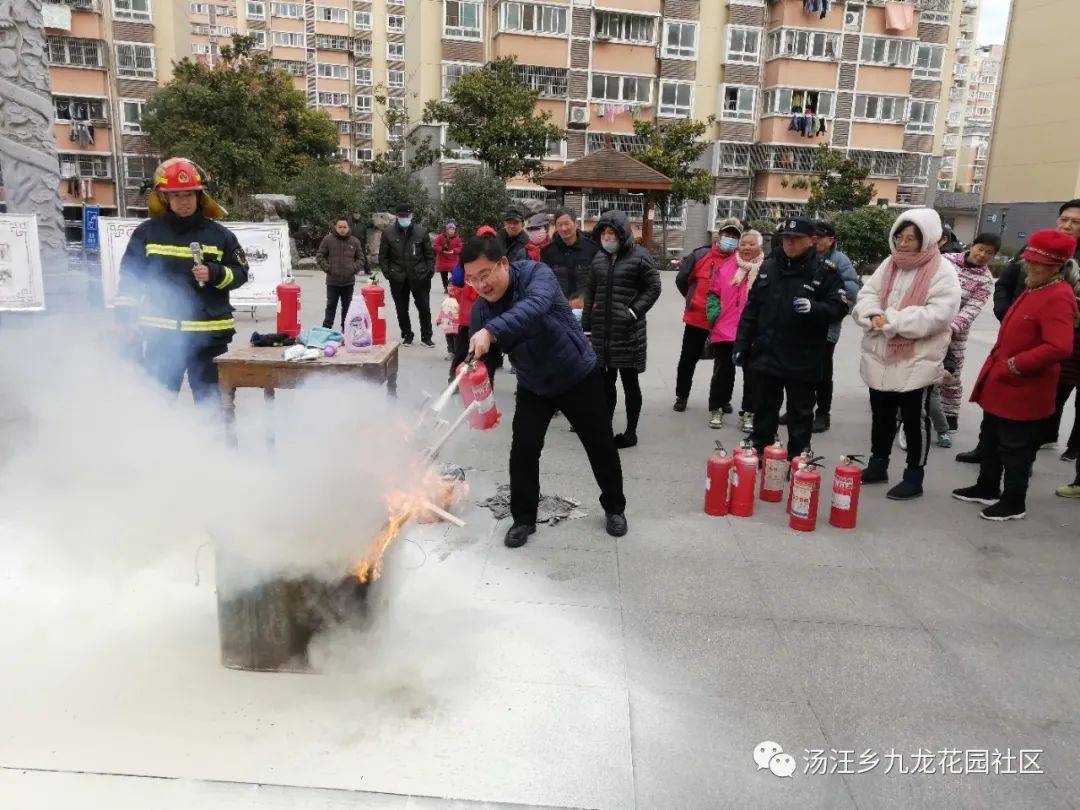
(522, 310)
(841, 264)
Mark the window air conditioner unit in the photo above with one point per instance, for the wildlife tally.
(579, 117)
(852, 20)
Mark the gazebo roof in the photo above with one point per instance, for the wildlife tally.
(607, 168)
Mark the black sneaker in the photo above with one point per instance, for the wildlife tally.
(624, 440)
(616, 524)
(726, 407)
(406, 341)
(876, 471)
(976, 494)
(517, 534)
(821, 423)
(680, 404)
(1001, 511)
(969, 457)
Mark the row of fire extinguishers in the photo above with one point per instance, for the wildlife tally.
(731, 481)
(288, 309)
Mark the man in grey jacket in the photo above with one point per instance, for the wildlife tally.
(407, 259)
(826, 245)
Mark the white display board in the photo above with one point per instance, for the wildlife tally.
(266, 245)
(21, 285)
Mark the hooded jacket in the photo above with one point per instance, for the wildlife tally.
(851, 281)
(406, 254)
(929, 325)
(622, 288)
(341, 258)
(572, 264)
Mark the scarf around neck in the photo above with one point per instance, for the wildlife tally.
(747, 270)
(925, 266)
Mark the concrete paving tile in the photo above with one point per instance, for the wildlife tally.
(557, 576)
(845, 668)
(822, 593)
(696, 536)
(1061, 751)
(697, 752)
(1048, 604)
(684, 585)
(767, 538)
(709, 655)
(931, 548)
(912, 759)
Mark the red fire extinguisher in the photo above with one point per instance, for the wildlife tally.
(847, 482)
(803, 458)
(476, 387)
(288, 307)
(772, 473)
(717, 482)
(805, 488)
(743, 478)
(375, 298)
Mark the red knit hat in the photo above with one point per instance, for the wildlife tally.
(1049, 247)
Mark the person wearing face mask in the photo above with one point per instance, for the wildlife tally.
(521, 310)
(179, 305)
(512, 235)
(536, 230)
(623, 286)
(906, 310)
(692, 281)
(407, 259)
(1018, 382)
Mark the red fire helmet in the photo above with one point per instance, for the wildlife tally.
(181, 174)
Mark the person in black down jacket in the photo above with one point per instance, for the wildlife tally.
(341, 257)
(624, 285)
(521, 310)
(512, 236)
(570, 256)
(407, 259)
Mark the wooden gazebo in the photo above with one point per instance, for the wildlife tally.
(610, 170)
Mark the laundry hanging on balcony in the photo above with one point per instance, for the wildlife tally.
(609, 110)
(82, 133)
(814, 6)
(807, 124)
(899, 17)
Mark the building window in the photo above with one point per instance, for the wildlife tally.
(928, 61)
(362, 21)
(680, 40)
(550, 82)
(555, 149)
(344, 127)
(728, 208)
(676, 99)
(733, 157)
(258, 39)
(73, 52)
(201, 49)
(138, 168)
(887, 109)
(532, 19)
(131, 111)
(333, 42)
(70, 108)
(199, 8)
(395, 51)
(363, 154)
(135, 60)
(395, 23)
(289, 39)
(132, 10)
(635, 89)
(331, 14)
(461, 20)
(452, 71)
(363, 129)
(363, 77)
(635, 28)
(921, 116)
(362, 48)
(944, 185)
(787, 100)
(807, 44)
(225, 11)
(333, 99)
(91, 167)
(620, 143)
(455, 151)
(951, 142)
(256, 10)
(738, 103)
(363, 104)
(293, 11)
(395, 132)
(325, 71)
(395, 78)
(633, 205)
(290, 67)
(743, 44)
(887, 51)
(397, 104)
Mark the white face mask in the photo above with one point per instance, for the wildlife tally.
(404, 222)
(610, 244)
(728, 244)
(537, 236)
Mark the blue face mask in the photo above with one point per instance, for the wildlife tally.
(728, 244)
(404, 222)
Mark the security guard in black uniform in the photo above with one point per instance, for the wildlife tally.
(181, 305)
(782, 333)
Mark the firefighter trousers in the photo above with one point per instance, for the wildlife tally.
(170, 355)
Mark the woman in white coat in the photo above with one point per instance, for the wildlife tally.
(905, 310)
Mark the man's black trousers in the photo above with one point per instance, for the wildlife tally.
(1008, 446)
(825, 387)
(585, 406)
(769, 392)
(335, 293)
(421, 295)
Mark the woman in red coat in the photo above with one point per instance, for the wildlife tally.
(1017, 386)
(447, 250)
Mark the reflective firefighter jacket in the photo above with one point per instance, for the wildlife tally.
(157, 286)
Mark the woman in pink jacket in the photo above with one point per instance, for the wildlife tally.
(728, 288)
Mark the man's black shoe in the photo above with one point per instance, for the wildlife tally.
(726, 407)
(680, 404)
(406, 341)
(517, 534)
(821, 423)
(1001, 511)
(624, 440)
(976, 494)
(969, 457)
(616, 524)
(428, 342)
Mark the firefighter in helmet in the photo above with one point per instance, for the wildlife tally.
(181, 304)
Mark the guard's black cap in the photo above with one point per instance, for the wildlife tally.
(796, 226)
(823, 228)
(513, 214)
(404, 210)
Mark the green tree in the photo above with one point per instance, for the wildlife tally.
(404, 148)
(493, 112)
(863, 234)
(673, 148)
(243, 122)
(474, 197)
(388, 191)
(324, 193)
(839, 184)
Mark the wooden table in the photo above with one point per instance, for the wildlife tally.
(265, 368)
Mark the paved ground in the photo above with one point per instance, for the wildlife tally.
(580, 671)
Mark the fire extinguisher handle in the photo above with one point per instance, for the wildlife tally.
(815, 461)
(719, 446)
(857, 459)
